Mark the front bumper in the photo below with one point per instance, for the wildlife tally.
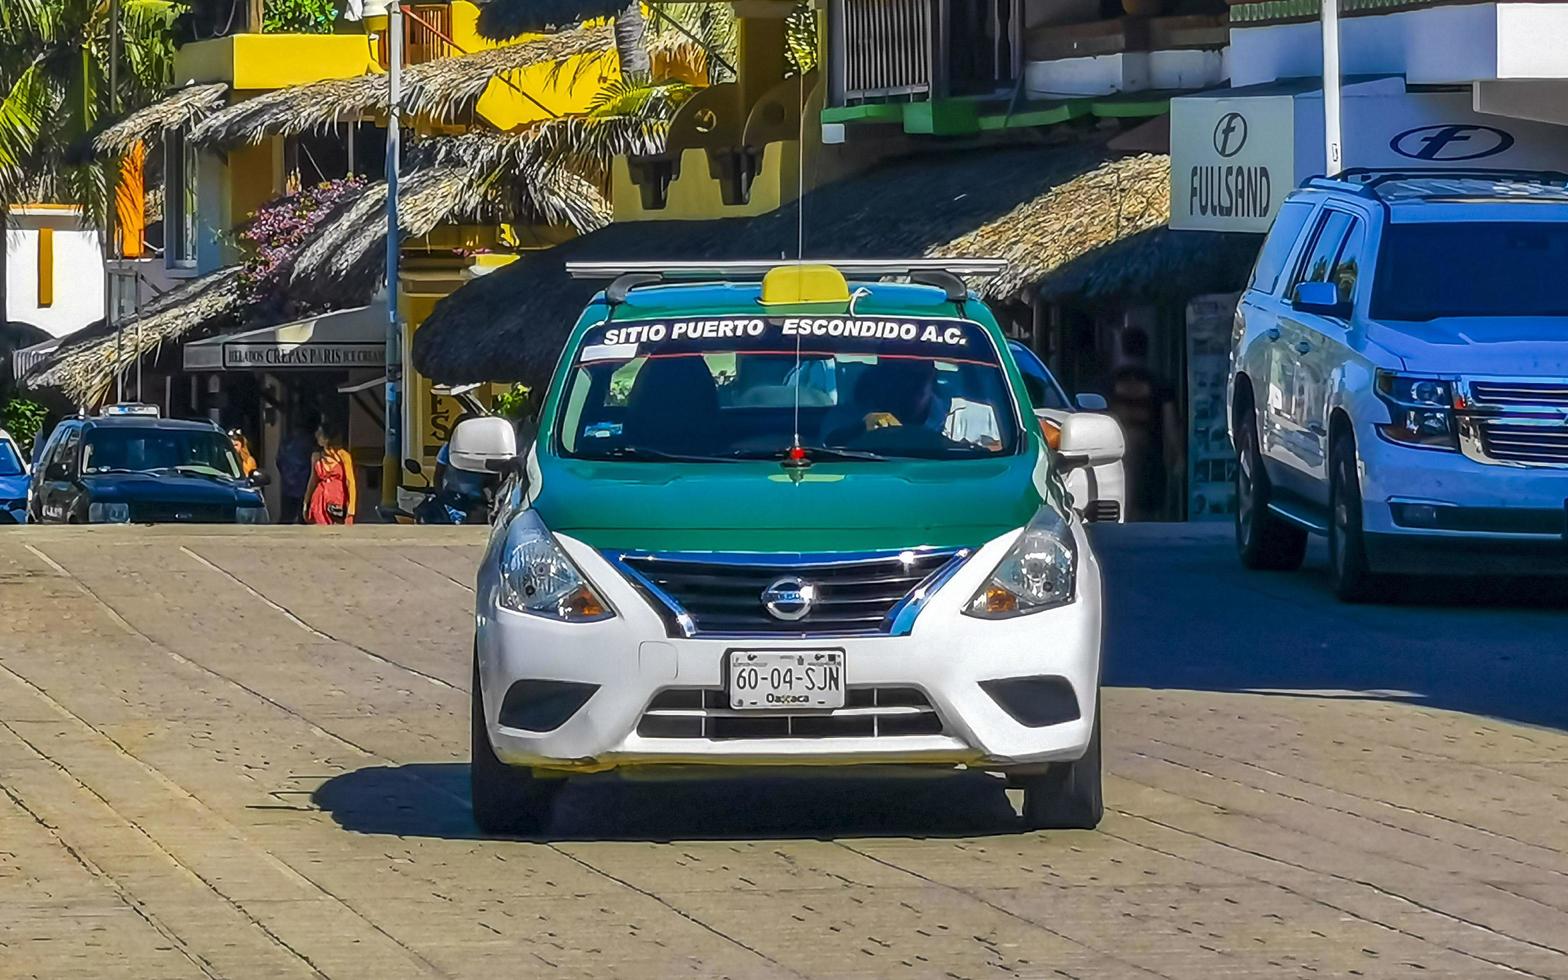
(630, 660)
(1471, 500)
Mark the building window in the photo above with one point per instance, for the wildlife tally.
(180, 203)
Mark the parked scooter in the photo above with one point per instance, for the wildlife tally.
(452, 502)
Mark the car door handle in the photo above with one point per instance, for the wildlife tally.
(1272, 333)
(1302, 347)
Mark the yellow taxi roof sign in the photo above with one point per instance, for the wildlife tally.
(789, 284)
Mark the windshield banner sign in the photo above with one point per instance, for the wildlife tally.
(838, 334)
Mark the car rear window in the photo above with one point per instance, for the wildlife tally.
(1277, 246)
(1428, 269)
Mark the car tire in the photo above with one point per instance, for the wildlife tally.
(1347, 551)
(1264, 540)
(507, 800)
(1067, 796)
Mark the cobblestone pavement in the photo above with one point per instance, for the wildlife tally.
(236, 754)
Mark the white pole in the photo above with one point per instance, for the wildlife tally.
(1334, 158)
(391, 466)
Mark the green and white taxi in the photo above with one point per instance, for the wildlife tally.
(777, 517)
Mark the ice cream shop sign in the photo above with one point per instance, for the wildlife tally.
(1236, 153)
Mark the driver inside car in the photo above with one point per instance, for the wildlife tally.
(904, 393)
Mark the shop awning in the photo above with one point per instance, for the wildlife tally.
(343, 339)
(27, 358)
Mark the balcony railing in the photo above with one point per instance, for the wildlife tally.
(889, 48)
(427, 28)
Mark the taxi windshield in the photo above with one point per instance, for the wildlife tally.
(190, 451)
(743, 388)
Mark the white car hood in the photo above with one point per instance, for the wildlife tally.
(1521, 346)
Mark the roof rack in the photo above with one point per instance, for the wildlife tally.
(748, 269)
(1367, 180)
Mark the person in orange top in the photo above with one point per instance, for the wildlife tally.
(242, 450)
(331, 496)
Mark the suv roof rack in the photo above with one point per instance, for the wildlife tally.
(750, 269)
(1366, 181)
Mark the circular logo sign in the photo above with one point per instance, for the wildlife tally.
(1230, 134)
(789, 598)
(1451, 142)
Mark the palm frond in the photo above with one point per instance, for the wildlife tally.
(22, 117)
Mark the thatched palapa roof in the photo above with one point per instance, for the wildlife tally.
(1070, 218)
(182, 107)
(84, 369)
(443, 89)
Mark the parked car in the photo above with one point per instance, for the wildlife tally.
(1100, 491)
(13, 481)
(758, 527)
(130, 466)
(1399, 378)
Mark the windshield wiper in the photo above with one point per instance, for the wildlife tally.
(659, 456)
(815, 453)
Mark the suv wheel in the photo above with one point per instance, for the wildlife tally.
(507, 800)
(1347, 554)
(1067, 795)
(1264, 540)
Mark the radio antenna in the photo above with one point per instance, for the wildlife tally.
(797, 453)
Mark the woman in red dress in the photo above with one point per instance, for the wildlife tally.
(331, 496)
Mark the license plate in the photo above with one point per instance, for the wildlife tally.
(795, 679)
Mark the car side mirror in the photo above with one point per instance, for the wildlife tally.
(484, 445)
(260, 478)
(1089, 440)
(55, 472)
(1090, 402)
(1321, 298)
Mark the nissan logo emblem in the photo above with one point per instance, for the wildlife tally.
(1230, 134)
(1451, 142)
(789, 598)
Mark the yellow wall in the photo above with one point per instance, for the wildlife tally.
(269, 61)
(564, 89)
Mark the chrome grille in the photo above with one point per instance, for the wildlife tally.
(1520, 442)
(723, 594)
(868, 712)
(1549, 393)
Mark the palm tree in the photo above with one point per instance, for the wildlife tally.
(54, 87)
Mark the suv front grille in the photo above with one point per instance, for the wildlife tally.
(1551, 393)
(159, 512)
(1516, 442)
(723, 594)
(868, 712)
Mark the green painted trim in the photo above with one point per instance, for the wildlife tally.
(871, 112)
(1273, 11)
(1044, 114)
(945, 117)
(1131, 107)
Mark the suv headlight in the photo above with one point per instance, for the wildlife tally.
(250, 515)
(1422, 409)
(104, 513)
(1040, 571)
(538, 578)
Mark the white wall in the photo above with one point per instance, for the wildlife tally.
(78, 272)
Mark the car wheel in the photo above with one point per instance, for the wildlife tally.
(1347, 553)
(507, 800)
(1264, 540)
(1067, 795)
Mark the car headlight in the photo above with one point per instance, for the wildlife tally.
(1422, 410)
(538, 578)
(250, 515)
(1040, 571)
(105, 513)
